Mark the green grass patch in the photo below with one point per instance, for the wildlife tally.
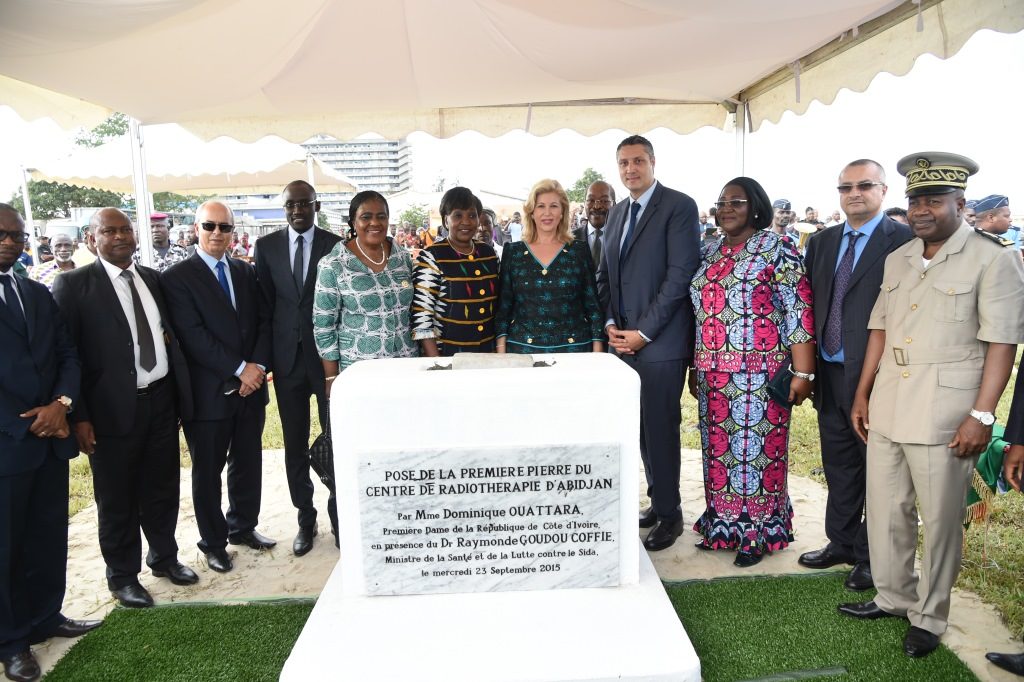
(186, 643)
(753, 628)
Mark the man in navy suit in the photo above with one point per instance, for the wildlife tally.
(845, 284)
(286, 263)
(225, 333)
(651, 252)
(127, 419)
(39, 383)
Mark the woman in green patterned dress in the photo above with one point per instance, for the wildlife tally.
(548, 300)
(363, 293)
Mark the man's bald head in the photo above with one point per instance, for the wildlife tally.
(219, 217)
(598, 201)
(110, 230)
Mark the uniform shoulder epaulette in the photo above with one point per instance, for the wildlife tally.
(993, 237)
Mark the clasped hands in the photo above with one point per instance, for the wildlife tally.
(624, 341)
(252, 378)
(51, 421)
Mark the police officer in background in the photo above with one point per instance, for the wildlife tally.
(944, 333)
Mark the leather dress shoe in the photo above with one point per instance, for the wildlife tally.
(1012, 662)
(860, 577)
(304, 541)
(133, 596)
(252, 539)
(178, 573)
(918, 642)
(826, 557)
(70, 628)
(747, 559)
(218, 560)
(664, 535)
(648, 517)
(22, 667)
(866, 610)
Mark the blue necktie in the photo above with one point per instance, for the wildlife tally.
(634, 209)
(12, 304)
(223, 279)
(833, 341)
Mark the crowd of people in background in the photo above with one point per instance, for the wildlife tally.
(755, 311)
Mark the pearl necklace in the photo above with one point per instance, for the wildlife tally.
(383, 254)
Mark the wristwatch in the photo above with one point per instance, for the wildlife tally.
(65, 401)
(802, 375)
(986, 418)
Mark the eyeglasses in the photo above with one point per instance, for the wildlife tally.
(17, 236)
(299, 204)
(600, 202)
(861, 187)
(731, 203)
(223, 227)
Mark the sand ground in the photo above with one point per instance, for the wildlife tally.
(974, 626)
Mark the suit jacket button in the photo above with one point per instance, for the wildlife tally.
(907, 340)
(906, 375)
(913, 306)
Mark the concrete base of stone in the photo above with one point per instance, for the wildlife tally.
(626, 633)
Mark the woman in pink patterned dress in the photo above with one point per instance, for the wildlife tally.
(753, 310)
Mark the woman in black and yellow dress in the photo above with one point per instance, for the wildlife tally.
(548, 301)
(456, 281)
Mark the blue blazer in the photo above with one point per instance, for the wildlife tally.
(34, 369)
(654, 278)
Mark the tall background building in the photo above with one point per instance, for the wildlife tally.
(381, 165)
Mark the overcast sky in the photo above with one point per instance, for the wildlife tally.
(971, 104)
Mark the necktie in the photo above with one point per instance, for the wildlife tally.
(11, 302)
(595, 250)
(833, 340)
(223, 279)
(297, 263)
(634, 209)
(147, 348)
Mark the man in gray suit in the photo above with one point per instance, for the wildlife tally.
(286, 263)
(651, 252)
(844, 265)
(599, 201)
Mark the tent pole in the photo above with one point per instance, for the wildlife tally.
(143, 201)
(309, 169)
(740, 132)
(29, 222)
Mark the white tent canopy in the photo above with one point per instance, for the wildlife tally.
(249, 69)
(184, 164)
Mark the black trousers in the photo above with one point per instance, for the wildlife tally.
(661, 388)
(293, 391)
(238, 442)
(136, 482)
(844, 458)
(33, 553)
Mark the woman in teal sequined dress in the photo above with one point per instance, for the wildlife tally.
(548, 300)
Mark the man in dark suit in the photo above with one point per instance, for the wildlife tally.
(127, 419)
(286, 264)
(225, 332)
(599, 201)
(39, 383)
(651, 253)
(1013, 470)
(844, 265)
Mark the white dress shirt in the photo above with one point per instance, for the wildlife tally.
(124, 297)
(3, 297)
(307, 249)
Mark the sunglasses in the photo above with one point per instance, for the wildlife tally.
(732, 203)
(861, 187)
(223, 227)
(17, 236)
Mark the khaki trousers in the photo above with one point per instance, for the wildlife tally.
(897, 475)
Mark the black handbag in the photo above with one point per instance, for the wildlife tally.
(321, 456)
(778, 385)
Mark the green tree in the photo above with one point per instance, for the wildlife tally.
(416, 215)
(116, 125)
(56, 199)
(169, 202)
(578, 192)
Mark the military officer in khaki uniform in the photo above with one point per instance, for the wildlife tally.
(943, 338)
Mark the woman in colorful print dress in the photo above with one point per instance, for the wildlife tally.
(753, 310)
(363, 293)
(456, 284)
(548, 301)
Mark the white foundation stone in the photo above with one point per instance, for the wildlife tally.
(488, 530)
